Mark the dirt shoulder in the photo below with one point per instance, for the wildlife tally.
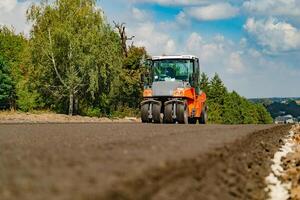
(48, 117)
(135, 161)
(236, 171)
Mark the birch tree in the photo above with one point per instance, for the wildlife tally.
(76, 52)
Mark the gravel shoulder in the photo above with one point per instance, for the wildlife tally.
(135, 161)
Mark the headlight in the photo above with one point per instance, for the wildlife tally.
(179, 92)
(147, 93)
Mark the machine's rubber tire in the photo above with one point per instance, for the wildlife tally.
(168, 118)
(192, 120)
(145, 113)
(204, 117)
(182, 113)
(156, 115)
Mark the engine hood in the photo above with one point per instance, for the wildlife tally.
(166, 88)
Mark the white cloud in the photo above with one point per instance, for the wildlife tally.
(235, 64)
(214, 55)
(208, 52)
(254, 53)
(273, 7)
(13, 13)
(170, 47)
(157, 42)
(140, 15)
(273, 35)
(243, 42)
(213, 12)
(219, 38)
(182, 19)
(194, 42)
(244, 69)
(7, 5)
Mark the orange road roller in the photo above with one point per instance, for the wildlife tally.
(172, 92)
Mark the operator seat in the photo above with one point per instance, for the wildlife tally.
(170, 72)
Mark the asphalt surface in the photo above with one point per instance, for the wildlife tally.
(131, 161)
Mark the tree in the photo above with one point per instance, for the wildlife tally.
(14, 49)
(216, 96)
(229, 107)
(123, 37)
(204, 83)
(248, 112)
(131, 86)
(76, 52)
(6, 85)
(264, 117)
(217, 90)
(232, 113)
(215, 111)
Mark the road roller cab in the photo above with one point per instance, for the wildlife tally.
(172, 91)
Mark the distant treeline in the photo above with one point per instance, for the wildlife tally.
(75, 62)
(279, 106)
(289, 108)
(268, 101)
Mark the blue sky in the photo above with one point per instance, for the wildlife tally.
(254, 45)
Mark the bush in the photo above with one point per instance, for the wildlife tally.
(124, 111)
(92, 112)
(26, 100)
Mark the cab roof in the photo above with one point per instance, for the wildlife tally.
(174, 57)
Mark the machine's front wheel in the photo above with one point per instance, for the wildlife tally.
(182, 113)
(192, 120)
(168, 114)
(156, 115)
(145, 113)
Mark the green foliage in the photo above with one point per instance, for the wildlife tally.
(6, 85)
(217, 91)
(204, 83)
(77, 53)
(73, 62)
(15, 50)
(92, 112)
(125, 111)
(229, 107)
(232, 109)
(215, 113)
(10, 46)
(131, 87)
(27, 100)
(264, 117)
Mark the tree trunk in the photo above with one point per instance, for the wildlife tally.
(76, 105)
(71, 103)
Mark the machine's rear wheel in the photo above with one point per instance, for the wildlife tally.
(145, 113)
(156, 115)
(182, 113)
(168, 118)
(204, 117)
